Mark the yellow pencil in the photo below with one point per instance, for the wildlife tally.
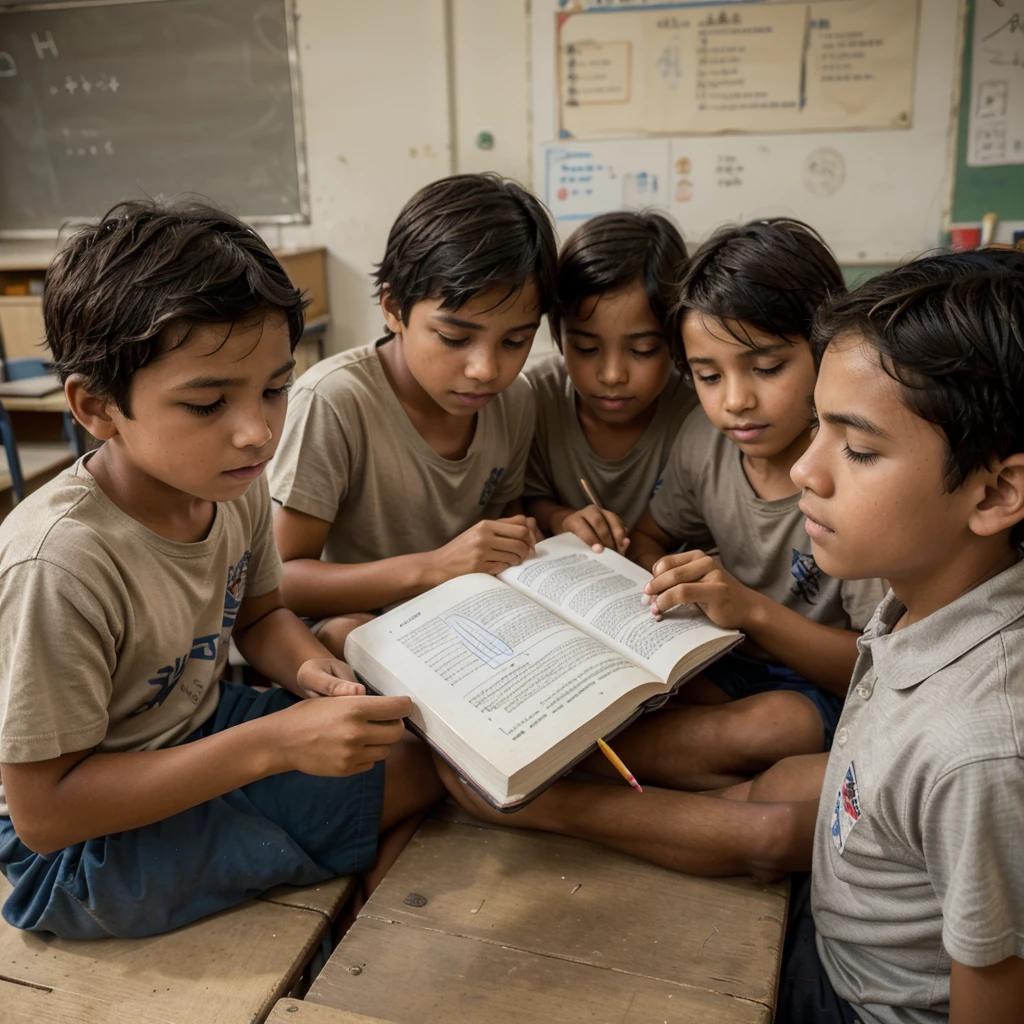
(590, 494)
(618, 765)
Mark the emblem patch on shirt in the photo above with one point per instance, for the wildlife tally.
(233, 594)
(806, 576)
(492, 485)
(847, 810)
(656, 487)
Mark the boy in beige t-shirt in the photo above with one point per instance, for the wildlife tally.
(139, 790)
(610, 407)
(401, 464)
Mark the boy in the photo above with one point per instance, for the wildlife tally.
(399, 458)
(916, 475)
(747, 305)
(610, 409)
(139, 791)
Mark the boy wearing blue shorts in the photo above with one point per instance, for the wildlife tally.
(746, 309)
(140, 791)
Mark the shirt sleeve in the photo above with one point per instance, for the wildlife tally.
(860, 599)
(675, 504)
(58, 653)
(522, 417)
(972, 827)
(311, 470)
(265, 570)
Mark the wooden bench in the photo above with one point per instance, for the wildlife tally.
(297, 1011)
(476, 923)
(227, 969)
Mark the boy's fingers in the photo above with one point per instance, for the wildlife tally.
(672, 561)
(380, 709)
(689, 573)
(687, 593)
(508, 549)
(585, 531)
(600, 525)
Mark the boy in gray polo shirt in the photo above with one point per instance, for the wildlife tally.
(917, 474)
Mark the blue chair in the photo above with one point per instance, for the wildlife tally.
(20, 369)
(13, 461)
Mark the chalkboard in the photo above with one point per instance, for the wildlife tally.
(105, 101)
(979, 190)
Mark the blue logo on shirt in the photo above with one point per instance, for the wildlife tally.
(806, 576)
(492, 485)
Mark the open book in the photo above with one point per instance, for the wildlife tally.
(513, 678)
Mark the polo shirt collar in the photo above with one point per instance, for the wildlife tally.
(906, 658)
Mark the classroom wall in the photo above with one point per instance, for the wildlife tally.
(385, 113)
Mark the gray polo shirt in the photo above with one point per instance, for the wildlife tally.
(919, 843)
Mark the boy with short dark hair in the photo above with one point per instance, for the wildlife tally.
(402, 462)
(611, 404)
(139, 791)
(746, 308)
(916, 474)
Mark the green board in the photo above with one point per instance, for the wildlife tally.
(980, 190)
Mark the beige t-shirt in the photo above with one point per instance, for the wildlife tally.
(111, 636)
(351, 456)
(706, 500)
(561, 454)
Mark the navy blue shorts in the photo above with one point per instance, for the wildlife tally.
(294, 828)
(740, 676)
(806, 995)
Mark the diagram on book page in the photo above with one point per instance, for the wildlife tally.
(480, 641)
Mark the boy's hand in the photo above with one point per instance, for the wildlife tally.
(694, 577)
(328, 677)
(597, 527)
(340, 735)
(491, 546)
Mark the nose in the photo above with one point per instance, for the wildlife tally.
(612, 370)
(481, 364)
(251, 429)
(739, 395)
(810, 471)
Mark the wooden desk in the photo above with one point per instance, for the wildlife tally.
(53, 402)
(506, 926)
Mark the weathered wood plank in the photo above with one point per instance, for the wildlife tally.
(298, 1011)
(412, 976)
(568, 898)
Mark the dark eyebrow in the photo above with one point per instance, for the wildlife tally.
(469, 325)
(196, 383)
(639, 335)
(750, 353)
(849, 419)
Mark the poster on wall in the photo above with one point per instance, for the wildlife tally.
(996, 132)
(747, 66)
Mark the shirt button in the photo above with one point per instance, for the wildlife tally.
(864, 692)
(842, 736)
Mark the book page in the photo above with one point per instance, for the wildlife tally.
(505, 674)
(602, 595)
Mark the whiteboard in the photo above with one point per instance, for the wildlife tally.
(876, 196)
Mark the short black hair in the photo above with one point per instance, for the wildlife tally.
(611, 251)
(772, 274)
(464, 234)
(949, 328)
(115, 288)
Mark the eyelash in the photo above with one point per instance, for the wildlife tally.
(765, 371)
(639, 353)
(859, 457)
(459, 342)
(209, 410)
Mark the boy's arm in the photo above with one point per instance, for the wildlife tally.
(279, 645)
(823, 654)
(648, 542)
(316, 588)
(83, 794)
(986, 995)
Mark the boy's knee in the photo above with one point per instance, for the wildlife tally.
(333, 633)
(776, 724)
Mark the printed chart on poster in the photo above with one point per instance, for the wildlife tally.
(724, 111)
(997, 85)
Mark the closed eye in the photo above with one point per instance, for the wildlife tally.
(205, 410)
(856, 456)
(768, 371)
(451, 342)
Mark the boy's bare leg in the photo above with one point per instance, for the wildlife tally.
(693, 832)
(334, 632)
(709, 746)
(411, 788)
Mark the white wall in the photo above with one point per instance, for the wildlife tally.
(379, 118)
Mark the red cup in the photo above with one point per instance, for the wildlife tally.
(965, 237)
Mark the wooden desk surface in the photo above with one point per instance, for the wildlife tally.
(531, 928)
(53, 402)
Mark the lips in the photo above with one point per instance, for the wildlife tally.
(747, 431)
(473, 399)
(250, 472)
(613, 402)
(815, 527)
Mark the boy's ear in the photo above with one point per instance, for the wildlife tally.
(391, 309)
(91, 412)
(1002, 505)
